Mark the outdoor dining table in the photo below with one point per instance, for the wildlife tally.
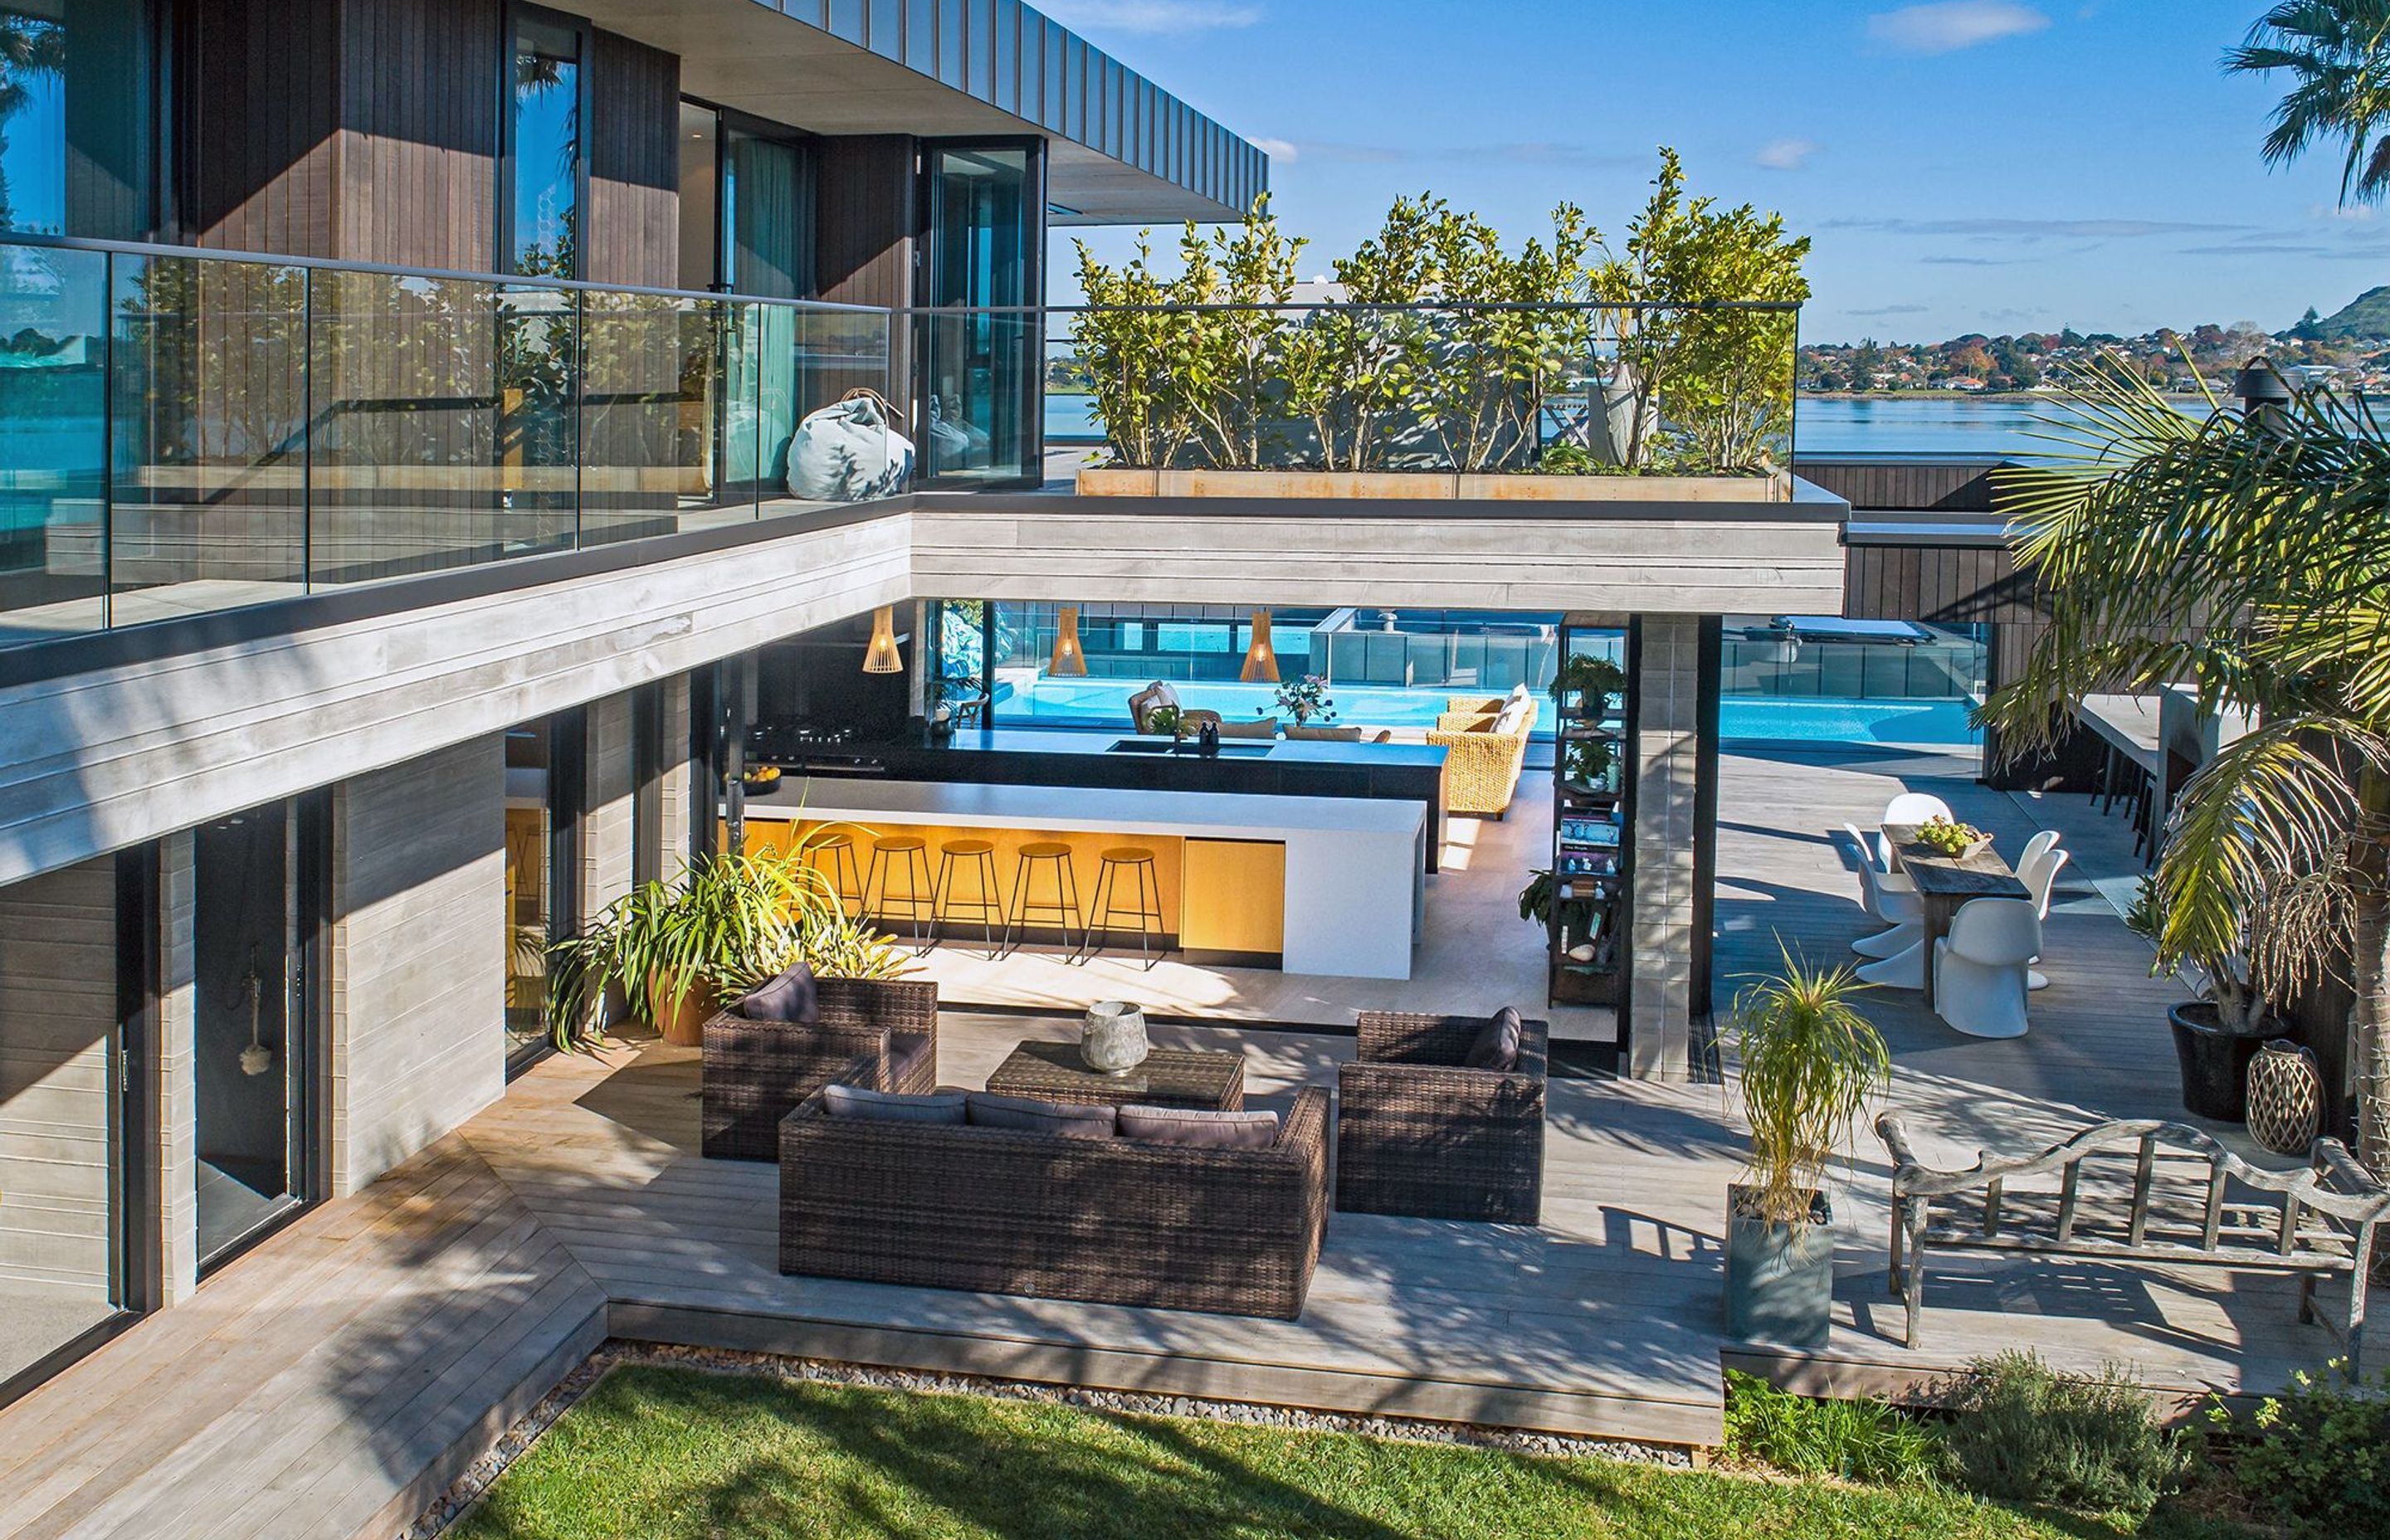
(1945, 881)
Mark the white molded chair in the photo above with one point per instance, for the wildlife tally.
(1889, 898)
(2039, 871)
(1979, 968)
(2044, 842)
(1915, 807)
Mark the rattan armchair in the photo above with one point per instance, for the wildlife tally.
(1481, 766)
(756, 1071)
(1418, 1133)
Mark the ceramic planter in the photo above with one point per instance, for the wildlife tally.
(1114, 1041)
(2214, 1062)
(1779, 1277)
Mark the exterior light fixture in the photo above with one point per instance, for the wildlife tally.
(1261, 659)
(881, 656)
(2264, 394)
(1070, 659)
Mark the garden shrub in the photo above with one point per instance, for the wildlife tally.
(2318, 1456)
(1860, 1441)
(2023, 1432)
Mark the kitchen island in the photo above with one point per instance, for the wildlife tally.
(1309, 884)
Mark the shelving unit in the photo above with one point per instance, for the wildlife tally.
(1593, 806)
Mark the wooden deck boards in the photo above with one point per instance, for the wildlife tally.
(332, 1380)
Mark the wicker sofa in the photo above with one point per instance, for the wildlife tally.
(1418, 1133)
(754, 1071)
(1231, 1231)
(1480, 769)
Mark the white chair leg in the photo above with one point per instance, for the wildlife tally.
(1888, 944)
(2036, 979)
(1903, 969)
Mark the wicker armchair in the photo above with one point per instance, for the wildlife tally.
(754, 1071)
(1417, 1133)
(1232, 1231)
(1480, 767)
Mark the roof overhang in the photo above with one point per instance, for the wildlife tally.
(1119, 148)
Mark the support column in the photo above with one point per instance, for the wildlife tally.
(178, 1086)
(608, 824)
(1661, 925)
(678, 779)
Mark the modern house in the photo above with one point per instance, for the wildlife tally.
(442, 442)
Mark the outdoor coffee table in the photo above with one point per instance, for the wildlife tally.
(1169, 1077)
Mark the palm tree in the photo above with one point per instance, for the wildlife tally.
(2252, 559)
(2338, 54)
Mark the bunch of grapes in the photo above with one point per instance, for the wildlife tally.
(1949, 838)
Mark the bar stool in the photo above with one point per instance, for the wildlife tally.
(1065, 904)
(908, 854)
(1105, 911)
(836, 852)
(978, 858)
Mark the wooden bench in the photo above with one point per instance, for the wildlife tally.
(2316, 1221)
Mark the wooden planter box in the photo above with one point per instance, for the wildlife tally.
(1445, 486)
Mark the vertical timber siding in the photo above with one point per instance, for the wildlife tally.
(419, 965)
(419, 112)
(631, 230)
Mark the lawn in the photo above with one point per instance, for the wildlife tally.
(664, 1453)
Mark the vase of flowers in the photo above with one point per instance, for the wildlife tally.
(1304, 699)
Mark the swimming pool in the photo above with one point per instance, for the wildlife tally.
(1742, 718)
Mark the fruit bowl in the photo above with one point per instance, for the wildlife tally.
(1946, 837)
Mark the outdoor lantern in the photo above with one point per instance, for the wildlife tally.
(1261, 659)
(881, 656)
(2264, 394)
(1068, 657)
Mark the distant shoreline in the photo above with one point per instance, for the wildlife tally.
(2053, 396)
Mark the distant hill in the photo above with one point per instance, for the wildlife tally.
(2367, 315)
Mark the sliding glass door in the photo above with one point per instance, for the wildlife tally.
(258, 881)
(978, 415)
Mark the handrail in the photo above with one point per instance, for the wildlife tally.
(395, 270)
(1786, 307)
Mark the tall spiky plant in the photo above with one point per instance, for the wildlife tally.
(2250, 560)
(1811, 1062)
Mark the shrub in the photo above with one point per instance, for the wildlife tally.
(2024, 1433)
(1860, 1441)
(2318, 1456)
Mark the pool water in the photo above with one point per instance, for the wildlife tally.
(1104, 703)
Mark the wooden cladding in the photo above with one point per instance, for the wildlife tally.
(1871, 486)
(632, 223)
(1944, 584)
(416, 178)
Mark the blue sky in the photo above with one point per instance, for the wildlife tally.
(1992, 165)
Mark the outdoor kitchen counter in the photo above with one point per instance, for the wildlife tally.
(1340, 883)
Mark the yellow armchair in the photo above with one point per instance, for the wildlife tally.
(1481, 763)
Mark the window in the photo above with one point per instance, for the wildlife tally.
(75, 120)
(980, 384)
(746, 205)
(701, 187)
(540, 223)
(545, 791)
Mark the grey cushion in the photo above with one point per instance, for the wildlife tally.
(1196, 1129)
(904, 1050)
(858, 1101)
(1497, 1046)
(1028, 1115)
(789, 997)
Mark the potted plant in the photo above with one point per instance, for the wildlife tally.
(1168, 722)
(2217, 1035)
(677, 951)
(1811, 1063)
(1592, 677)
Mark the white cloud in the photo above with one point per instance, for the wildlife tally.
(1947, 26)
(1785, 154)
(1281, 151)
(1152, 17)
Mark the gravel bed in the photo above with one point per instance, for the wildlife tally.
(468, 1489)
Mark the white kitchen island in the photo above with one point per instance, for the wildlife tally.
(1352, 897)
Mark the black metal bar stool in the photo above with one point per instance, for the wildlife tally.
(1064, 906)
(834, 856)
(908, 854)
(1105, 910)
(978, 858)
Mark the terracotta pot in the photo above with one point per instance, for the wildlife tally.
(685, 1026)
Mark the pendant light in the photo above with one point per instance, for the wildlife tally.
(1069, 658)
(1261, 657)
(881, 656)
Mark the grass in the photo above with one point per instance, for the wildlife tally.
(665, 1453)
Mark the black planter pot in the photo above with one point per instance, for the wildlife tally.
(2214, 1061)
(1780, 1278)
